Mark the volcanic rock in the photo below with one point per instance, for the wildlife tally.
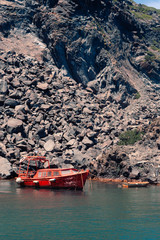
(5, 168)
(77, 75)
(14, 125)
(3, 87)
(49, 145)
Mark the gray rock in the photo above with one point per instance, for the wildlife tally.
(68, 152)
(56, 161)
(49, 145)
(16, 94)
(135, 173)
(11, 102)
(77, 157)
(19, 108)
(158, 143)
(71, 142)
(40, 133)
(86, 141)
(2, 135)
(14, 125)
(3, 87)
(91, 134)
(39, 118)
(42, 86)
(2, 99)
(87, 110)
(5, 168)
(3, 151)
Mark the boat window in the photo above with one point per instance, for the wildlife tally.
(64, 172)
(43, 174)
(56, 173)
(49, 173)
(39, 174)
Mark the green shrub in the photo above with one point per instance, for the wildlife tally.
(137, 95)
(150, 57)
(141, 8)
(142, 16)
(156, 29)
(154, 48)
(130, 137)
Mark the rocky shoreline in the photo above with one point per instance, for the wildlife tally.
(73, 79)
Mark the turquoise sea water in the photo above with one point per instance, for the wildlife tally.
(101, 212)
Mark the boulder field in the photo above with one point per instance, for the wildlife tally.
(74, 77)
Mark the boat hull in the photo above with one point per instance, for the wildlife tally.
(135, 184)
(75, 181)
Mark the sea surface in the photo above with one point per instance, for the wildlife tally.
(100, 211)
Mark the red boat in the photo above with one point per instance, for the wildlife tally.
(56, 178)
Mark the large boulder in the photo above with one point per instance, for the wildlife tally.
(42, 86)
(49, 145)
(3, 87)
(5, 168)
(14, 125)
(11, 102)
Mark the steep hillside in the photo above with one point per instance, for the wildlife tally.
(80, 83)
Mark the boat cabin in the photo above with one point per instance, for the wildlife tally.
(42, 172)
(49, 173)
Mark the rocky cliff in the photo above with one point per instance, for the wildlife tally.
(78, 80)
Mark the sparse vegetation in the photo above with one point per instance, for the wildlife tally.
(150, 57)
(130, 137)
(156, 29)
(144, 9)
(137, 95)
(142, 16)
(154, 48)
(143, 12)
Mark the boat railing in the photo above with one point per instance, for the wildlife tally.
(26, 173)
(22, 173)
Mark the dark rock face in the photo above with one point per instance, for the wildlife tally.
(74, 75)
